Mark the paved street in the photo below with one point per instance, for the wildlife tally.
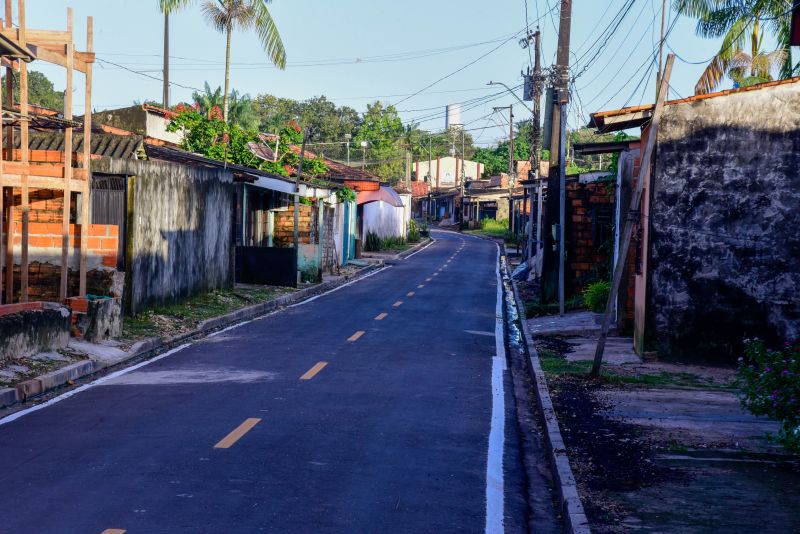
(368, 409)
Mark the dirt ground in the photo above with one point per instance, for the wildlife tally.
(665, 447)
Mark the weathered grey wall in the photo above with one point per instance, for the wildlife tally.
(180, 235)
(725, 245)
(28, 332)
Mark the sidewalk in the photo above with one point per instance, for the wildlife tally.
(663, 447)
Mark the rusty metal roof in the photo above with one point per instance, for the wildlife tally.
(105, 145)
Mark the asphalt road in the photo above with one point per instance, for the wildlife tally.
(379, 407)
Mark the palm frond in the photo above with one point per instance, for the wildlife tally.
(268, 34)
(171, 6)
(216, 14)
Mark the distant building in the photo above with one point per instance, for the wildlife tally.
(444, 173)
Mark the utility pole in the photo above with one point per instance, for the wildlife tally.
(558, 139)
(306, 134)
(661, 45)
(165, 99)
(536, 138)
(347, 138)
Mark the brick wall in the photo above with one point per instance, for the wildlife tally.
(588, 259)
(46, 205)
(283, 231)
(44, 256)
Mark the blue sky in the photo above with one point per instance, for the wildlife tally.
(357, 51)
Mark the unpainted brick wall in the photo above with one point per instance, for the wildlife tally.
(284, 226)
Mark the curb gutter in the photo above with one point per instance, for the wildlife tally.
(148, 348)
(575, 520)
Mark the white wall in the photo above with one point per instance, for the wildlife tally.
(447, 170)
(384, 219)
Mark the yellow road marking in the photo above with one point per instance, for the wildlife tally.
(355, 336)
(381, 316)
(398, 304)
(237, 433)
(113, 531)
(410, 294)
(428, 279)
(420, 286)
(435, 274)
(311, 373)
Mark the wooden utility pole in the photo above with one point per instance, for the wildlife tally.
(165, 99)
(661, 45)
(633, 213)
(87, 161)
(24, 148)
(559, 128)
(536, 137)
(66, 208)
(297, 199)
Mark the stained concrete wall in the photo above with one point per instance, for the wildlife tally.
(36, 327)
(179, 233)
(725, 245)
(384, 219)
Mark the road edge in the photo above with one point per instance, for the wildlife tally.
(13, 397)
(575, 520)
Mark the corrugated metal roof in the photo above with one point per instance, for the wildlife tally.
(104, 145)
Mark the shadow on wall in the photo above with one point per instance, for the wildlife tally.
(725, 246)
(184, 269)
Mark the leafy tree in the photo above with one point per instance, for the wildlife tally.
(227, 15)
(739, 23)
(213, 138)
(381, 127)
(40, 91)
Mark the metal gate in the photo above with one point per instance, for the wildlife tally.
(109, 207)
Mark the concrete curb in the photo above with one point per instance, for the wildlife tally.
(148, 348)
(575, 520)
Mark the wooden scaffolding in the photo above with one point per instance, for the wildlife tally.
(19, 46)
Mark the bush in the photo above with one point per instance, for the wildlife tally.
(413, 231)
(393, 243)
(596, 295)
(372, 243)
(770, 384)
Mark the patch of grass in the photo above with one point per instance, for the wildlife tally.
(562, 366)
(494, 228)
(536, 309)
(177, 318)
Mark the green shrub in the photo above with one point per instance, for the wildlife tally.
(770, 384)
(372, 243)
(413, 231)
(393, 243)
(596, 295)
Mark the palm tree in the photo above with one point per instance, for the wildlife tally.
(747, 70)
(739, 23)
(167, 7)
(227, 15)
(240, 110)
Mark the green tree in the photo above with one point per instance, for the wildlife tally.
(383, 130)
(739, 23)
(40, 91)
(227, 15)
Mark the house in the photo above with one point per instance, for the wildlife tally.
(149, 122)
(445, 173)
(716, 251)
(486, 199)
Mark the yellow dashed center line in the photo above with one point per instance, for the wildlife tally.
(237, 433)
(113, 531)
(355, 336)
(397, 304)
(311, 373)
(410, 294)
(381, 316)
(420, 286)
(428, 279)
(435, 274)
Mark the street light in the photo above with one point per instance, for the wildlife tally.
(364, 145)
(513, 93)
(347, 138)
